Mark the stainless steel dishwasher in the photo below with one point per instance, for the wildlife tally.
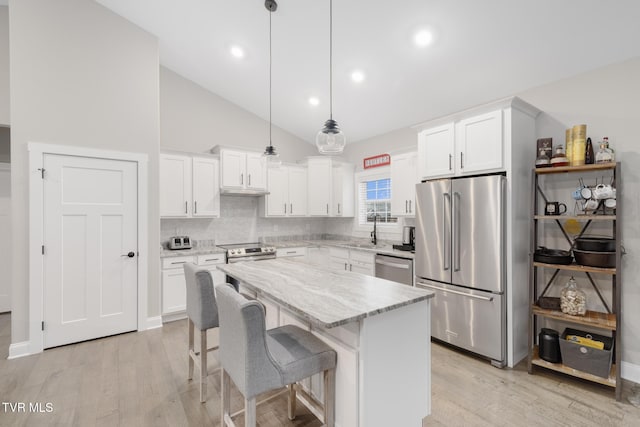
(393, 268)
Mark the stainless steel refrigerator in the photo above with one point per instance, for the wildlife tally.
(460, 241)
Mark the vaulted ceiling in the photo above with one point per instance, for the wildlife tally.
(481, 51)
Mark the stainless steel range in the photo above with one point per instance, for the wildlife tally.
(248, 252)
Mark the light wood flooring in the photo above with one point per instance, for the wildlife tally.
(139, 379)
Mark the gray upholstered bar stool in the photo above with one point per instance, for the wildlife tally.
(259, 360)
(202, 312)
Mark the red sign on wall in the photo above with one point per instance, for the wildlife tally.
(375, 161)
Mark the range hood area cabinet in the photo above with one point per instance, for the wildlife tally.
(241, 172)
(331, 184)
(287, 192)
(404, 177)
(189, 186)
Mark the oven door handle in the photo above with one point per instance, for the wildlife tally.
(480, 297)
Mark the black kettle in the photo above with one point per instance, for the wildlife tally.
(549, 345)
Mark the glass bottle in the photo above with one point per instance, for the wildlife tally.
(589, 157)
(613, 153)
(604, 154)
(559, 159)
(543, 161)
(572, 300)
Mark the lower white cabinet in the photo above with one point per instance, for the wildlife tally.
(342, 259)
(174, 291)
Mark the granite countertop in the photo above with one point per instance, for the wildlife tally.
(324, 297)
(361, 245)
(206, 250)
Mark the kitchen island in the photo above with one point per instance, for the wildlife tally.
(380, 330)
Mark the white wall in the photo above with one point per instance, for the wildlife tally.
(194, 119)
(4, 66)
(83, 76)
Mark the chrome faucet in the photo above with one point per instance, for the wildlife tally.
(374, 237)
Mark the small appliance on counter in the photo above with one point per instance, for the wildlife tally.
(408, 239)
(179, 242)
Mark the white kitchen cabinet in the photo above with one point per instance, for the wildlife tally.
(175, 185)
(342, 259)
(287, 192)
(205, 187)
(330, 186)
(468, 145)
(242, 170)
(174, 294)
(174, 291)
(319, 186)
(404, 177)
(343, 196)
(189, 186)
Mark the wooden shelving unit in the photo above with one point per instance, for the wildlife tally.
(593, 319)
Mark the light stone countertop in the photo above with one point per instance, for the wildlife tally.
(206, 250)
(381, 248)
(324, 297)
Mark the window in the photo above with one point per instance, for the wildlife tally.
(375, 200)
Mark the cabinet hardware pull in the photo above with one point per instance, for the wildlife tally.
(345, 265)
(249, 180)
(450, 159)
(405, 207)
(290, 208)
(195, 207)
(178, 262)
(393, 264)
(186, 207)
(410, 211)
(291, 252)
(241, 179)
(285, 208)
(327, 208)
(350, 267)
(461, 160)
(338, 208)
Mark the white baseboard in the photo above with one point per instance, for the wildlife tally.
(174, 316)
(19, 349)
(154, 322)
(630, 371)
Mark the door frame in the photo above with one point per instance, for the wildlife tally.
(7, 167)
(36, 230)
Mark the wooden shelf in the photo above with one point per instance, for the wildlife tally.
(576, 267)
(594, 319)
(578, 217)
(585, 168)
(559, 367)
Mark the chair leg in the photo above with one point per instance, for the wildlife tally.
(225, 390)
(250, 412)
(203, 366)
(190, 327)
(291, 407)
(329, 397)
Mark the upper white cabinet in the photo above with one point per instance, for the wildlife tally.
(343, 196)
(287, 192)
(404, 177)
(242, 170)
(464, 146)
(189, 186)
(330, 185)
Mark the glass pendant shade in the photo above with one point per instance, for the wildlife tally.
(330, 140)
(271, 157)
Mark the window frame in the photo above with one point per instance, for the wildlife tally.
(373, 175)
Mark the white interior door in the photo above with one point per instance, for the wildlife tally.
(5, 232)
(90, 248)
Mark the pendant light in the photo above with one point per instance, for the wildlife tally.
(270, 156)
(330, 140)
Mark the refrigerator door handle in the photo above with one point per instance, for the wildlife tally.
(456, 230)
(480, 297)
(446, 255)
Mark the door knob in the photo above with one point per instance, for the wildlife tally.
(130, 254)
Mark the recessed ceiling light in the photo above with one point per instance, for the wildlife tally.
(314, 101)
(423, 38)
(357, 76)
(237, 51)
